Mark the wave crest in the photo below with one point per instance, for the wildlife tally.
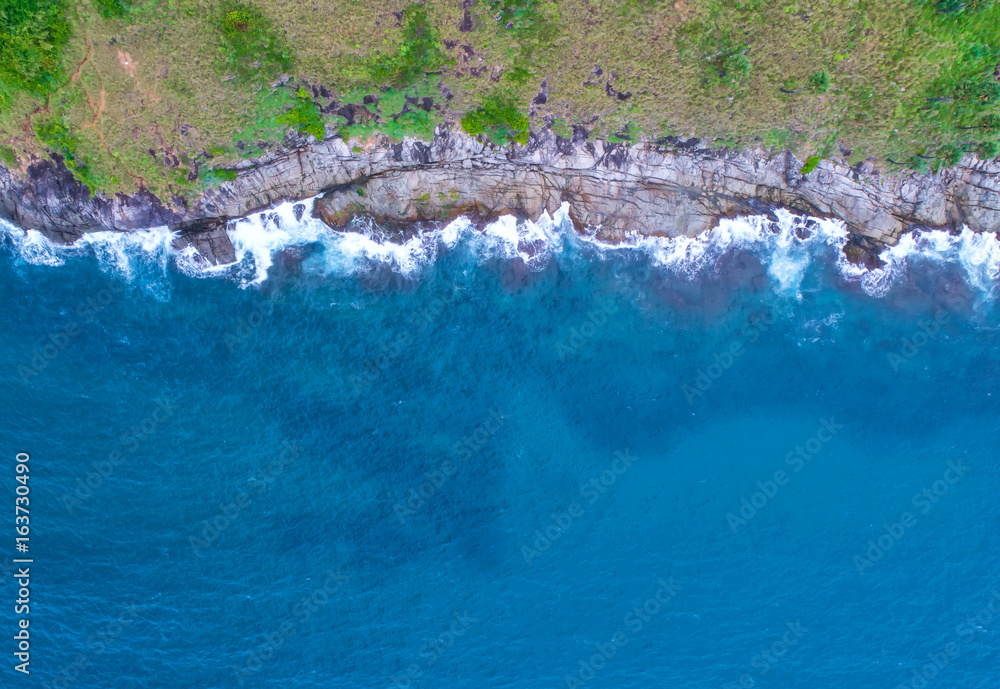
(786, 243)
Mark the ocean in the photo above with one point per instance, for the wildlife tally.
(508, 456)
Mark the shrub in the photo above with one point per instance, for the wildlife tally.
(304, 116)
(32, 35)
(958, 6)
(216, 175)
(988, 149)
(113, 9)
(8, 156)
(973, 91)
(61, 141)
(810, 165)
(991, 123)
(499, 119)
(251, 47)
(819, 81)
(950, 155)
(737, 66)
(420, 53)
(516, 14)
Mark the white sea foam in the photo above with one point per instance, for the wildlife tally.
(789, 244)
(257, 237)
(31, 246)
(978, 254)
(534, 242)
(131, 255)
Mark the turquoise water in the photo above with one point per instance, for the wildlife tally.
(505, 459)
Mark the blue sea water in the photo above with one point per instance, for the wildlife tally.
(508, 457)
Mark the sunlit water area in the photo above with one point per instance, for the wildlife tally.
(507, 456)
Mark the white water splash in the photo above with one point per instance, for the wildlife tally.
(789, 245)
(131, 255)
(977, 253)
(32, 246)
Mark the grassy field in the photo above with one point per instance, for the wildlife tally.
(170, 95)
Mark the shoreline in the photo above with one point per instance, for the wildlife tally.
(617, 192)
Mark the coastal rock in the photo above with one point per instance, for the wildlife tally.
(615, 191)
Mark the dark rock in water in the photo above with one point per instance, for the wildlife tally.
(806, 230)
(380, 229)
(52, 201)
(742, 269)
(209, 238)
(863, 251)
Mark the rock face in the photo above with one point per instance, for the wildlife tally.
(616, 191)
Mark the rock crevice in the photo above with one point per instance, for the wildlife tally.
(616, 191)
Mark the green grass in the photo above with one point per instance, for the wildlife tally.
(518, 15)
(113, 9)
(810, 165)
(213, 176)
(398, 114)
(304, 117)
(171, 95)
(419, 53)
(252, 47)
(819, 81)
(498, 119)
(8, 156)
(55, 135)
(32, 35)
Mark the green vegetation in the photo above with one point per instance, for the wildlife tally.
(560, 128)
(419, 54)
(58, 138)
(304, 116)
(32, 34)
(212, 176)
(819, 81)
(499, 119)
(398, 114)
(8, 156)
(519, 15)
(171, 96)
(113, 9)
(252, 48)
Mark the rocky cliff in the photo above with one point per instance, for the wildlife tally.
(616, 191)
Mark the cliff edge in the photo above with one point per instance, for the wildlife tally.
(616, 191)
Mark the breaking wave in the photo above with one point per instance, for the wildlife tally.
(788, 245)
